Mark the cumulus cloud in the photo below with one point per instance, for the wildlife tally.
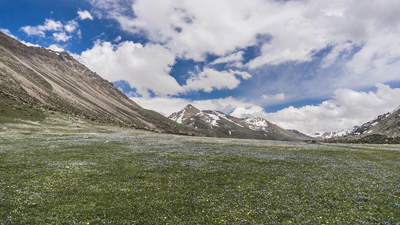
(49, 25)
(210, 79)
(143, 67)
(119, 38)
(85, 15)
(59, 30)
(62, 36)
(346, 109)
(71, 26)
(146, 68)
(295, 31)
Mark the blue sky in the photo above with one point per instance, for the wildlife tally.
(313, 65)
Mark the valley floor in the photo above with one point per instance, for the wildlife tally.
(64, 170)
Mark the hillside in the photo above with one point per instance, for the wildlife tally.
(42, 79)
(305, 136)
(368, 125)
(383, 129)
(218, 124)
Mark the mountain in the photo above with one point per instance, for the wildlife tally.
(365, 128)
(383, 129)
(301, 134)
(387, 124)
(218, 124)
(46, 79)
(327, 135)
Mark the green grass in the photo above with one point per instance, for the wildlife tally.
(121, 176)
(11, 110)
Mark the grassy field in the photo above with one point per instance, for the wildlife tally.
(63, 170)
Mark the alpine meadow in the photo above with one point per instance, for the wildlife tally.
(170, 112)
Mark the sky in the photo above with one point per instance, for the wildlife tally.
(309, 65)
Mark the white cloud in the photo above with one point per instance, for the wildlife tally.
(346, 109)
(280, 96)
(85, 15)
(49, 25)
(335, 52)
(147, 68)
(119, 38)
(71, 26)
(288, 31)
(237, 56)
(56, 48)
(210, 79)
(168, 105)
(62, 36)
(79, 32)
(143, 67)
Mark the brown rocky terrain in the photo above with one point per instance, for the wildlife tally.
(44, 79)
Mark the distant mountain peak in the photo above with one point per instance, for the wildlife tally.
(219, 124)
(185, 113)
(329, 134)
(191, 108)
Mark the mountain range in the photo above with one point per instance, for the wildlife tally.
(42, 79)
(331, 134)
(50, 80)
(384, 128)
(218, 124)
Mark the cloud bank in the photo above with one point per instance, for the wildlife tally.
(346, 109)
(146, 68)
(291, 50)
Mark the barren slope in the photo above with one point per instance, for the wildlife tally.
(56, 81)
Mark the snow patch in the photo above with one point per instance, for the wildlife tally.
(179, 120)
(224, 117)
(257, 123)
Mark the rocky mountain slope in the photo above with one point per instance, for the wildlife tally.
(305, 136)
(44, 79)
(388, 125)
(218, 124)
(383, 129)
(365, 128)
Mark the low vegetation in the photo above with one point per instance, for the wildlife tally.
(63, 170)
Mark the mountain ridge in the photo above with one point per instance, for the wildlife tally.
(383, 129)
(56, 81)
(219, 124)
